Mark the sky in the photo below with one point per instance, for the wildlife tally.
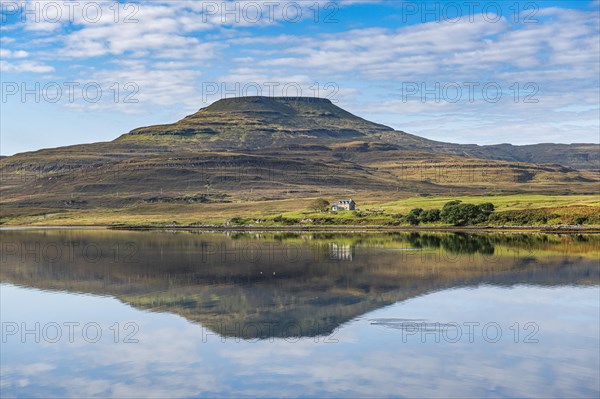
(483, 72)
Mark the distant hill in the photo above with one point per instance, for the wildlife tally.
(264, 148)
(250, 123)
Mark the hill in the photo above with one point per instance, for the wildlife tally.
(258, 122)
(262, 149)
(251, 123)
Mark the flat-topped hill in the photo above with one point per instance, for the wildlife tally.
(258, 122)
(276, 148)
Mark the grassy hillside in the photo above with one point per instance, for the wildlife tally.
(265, 152)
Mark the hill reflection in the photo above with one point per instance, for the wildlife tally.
(263, 285)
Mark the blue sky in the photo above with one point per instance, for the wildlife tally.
(471, 72)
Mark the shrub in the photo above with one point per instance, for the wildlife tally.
(319, 205)
(459, 214)
(580, 220)
(430, 216)
(418, 215)
(238, 220)
(414, 216)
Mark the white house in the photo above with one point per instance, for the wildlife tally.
(344, 205)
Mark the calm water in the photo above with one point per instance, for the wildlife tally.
(90, 313)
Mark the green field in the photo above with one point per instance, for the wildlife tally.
(520, 209)
(502, 202)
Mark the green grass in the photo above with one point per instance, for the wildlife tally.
(501, 202)
(559, 210)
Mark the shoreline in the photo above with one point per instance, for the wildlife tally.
(333, 228)
(354, 229)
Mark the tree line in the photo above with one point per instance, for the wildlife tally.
(455, 213)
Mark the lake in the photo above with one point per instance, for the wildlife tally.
(101, 313)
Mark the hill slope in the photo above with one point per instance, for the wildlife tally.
(263, 149)
(251, 123)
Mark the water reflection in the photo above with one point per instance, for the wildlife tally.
(264, 285)
(300, 315)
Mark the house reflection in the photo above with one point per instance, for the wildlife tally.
(341, 251)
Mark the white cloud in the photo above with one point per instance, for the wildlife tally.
(447, 50)
(5, 53)
(25, 66)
